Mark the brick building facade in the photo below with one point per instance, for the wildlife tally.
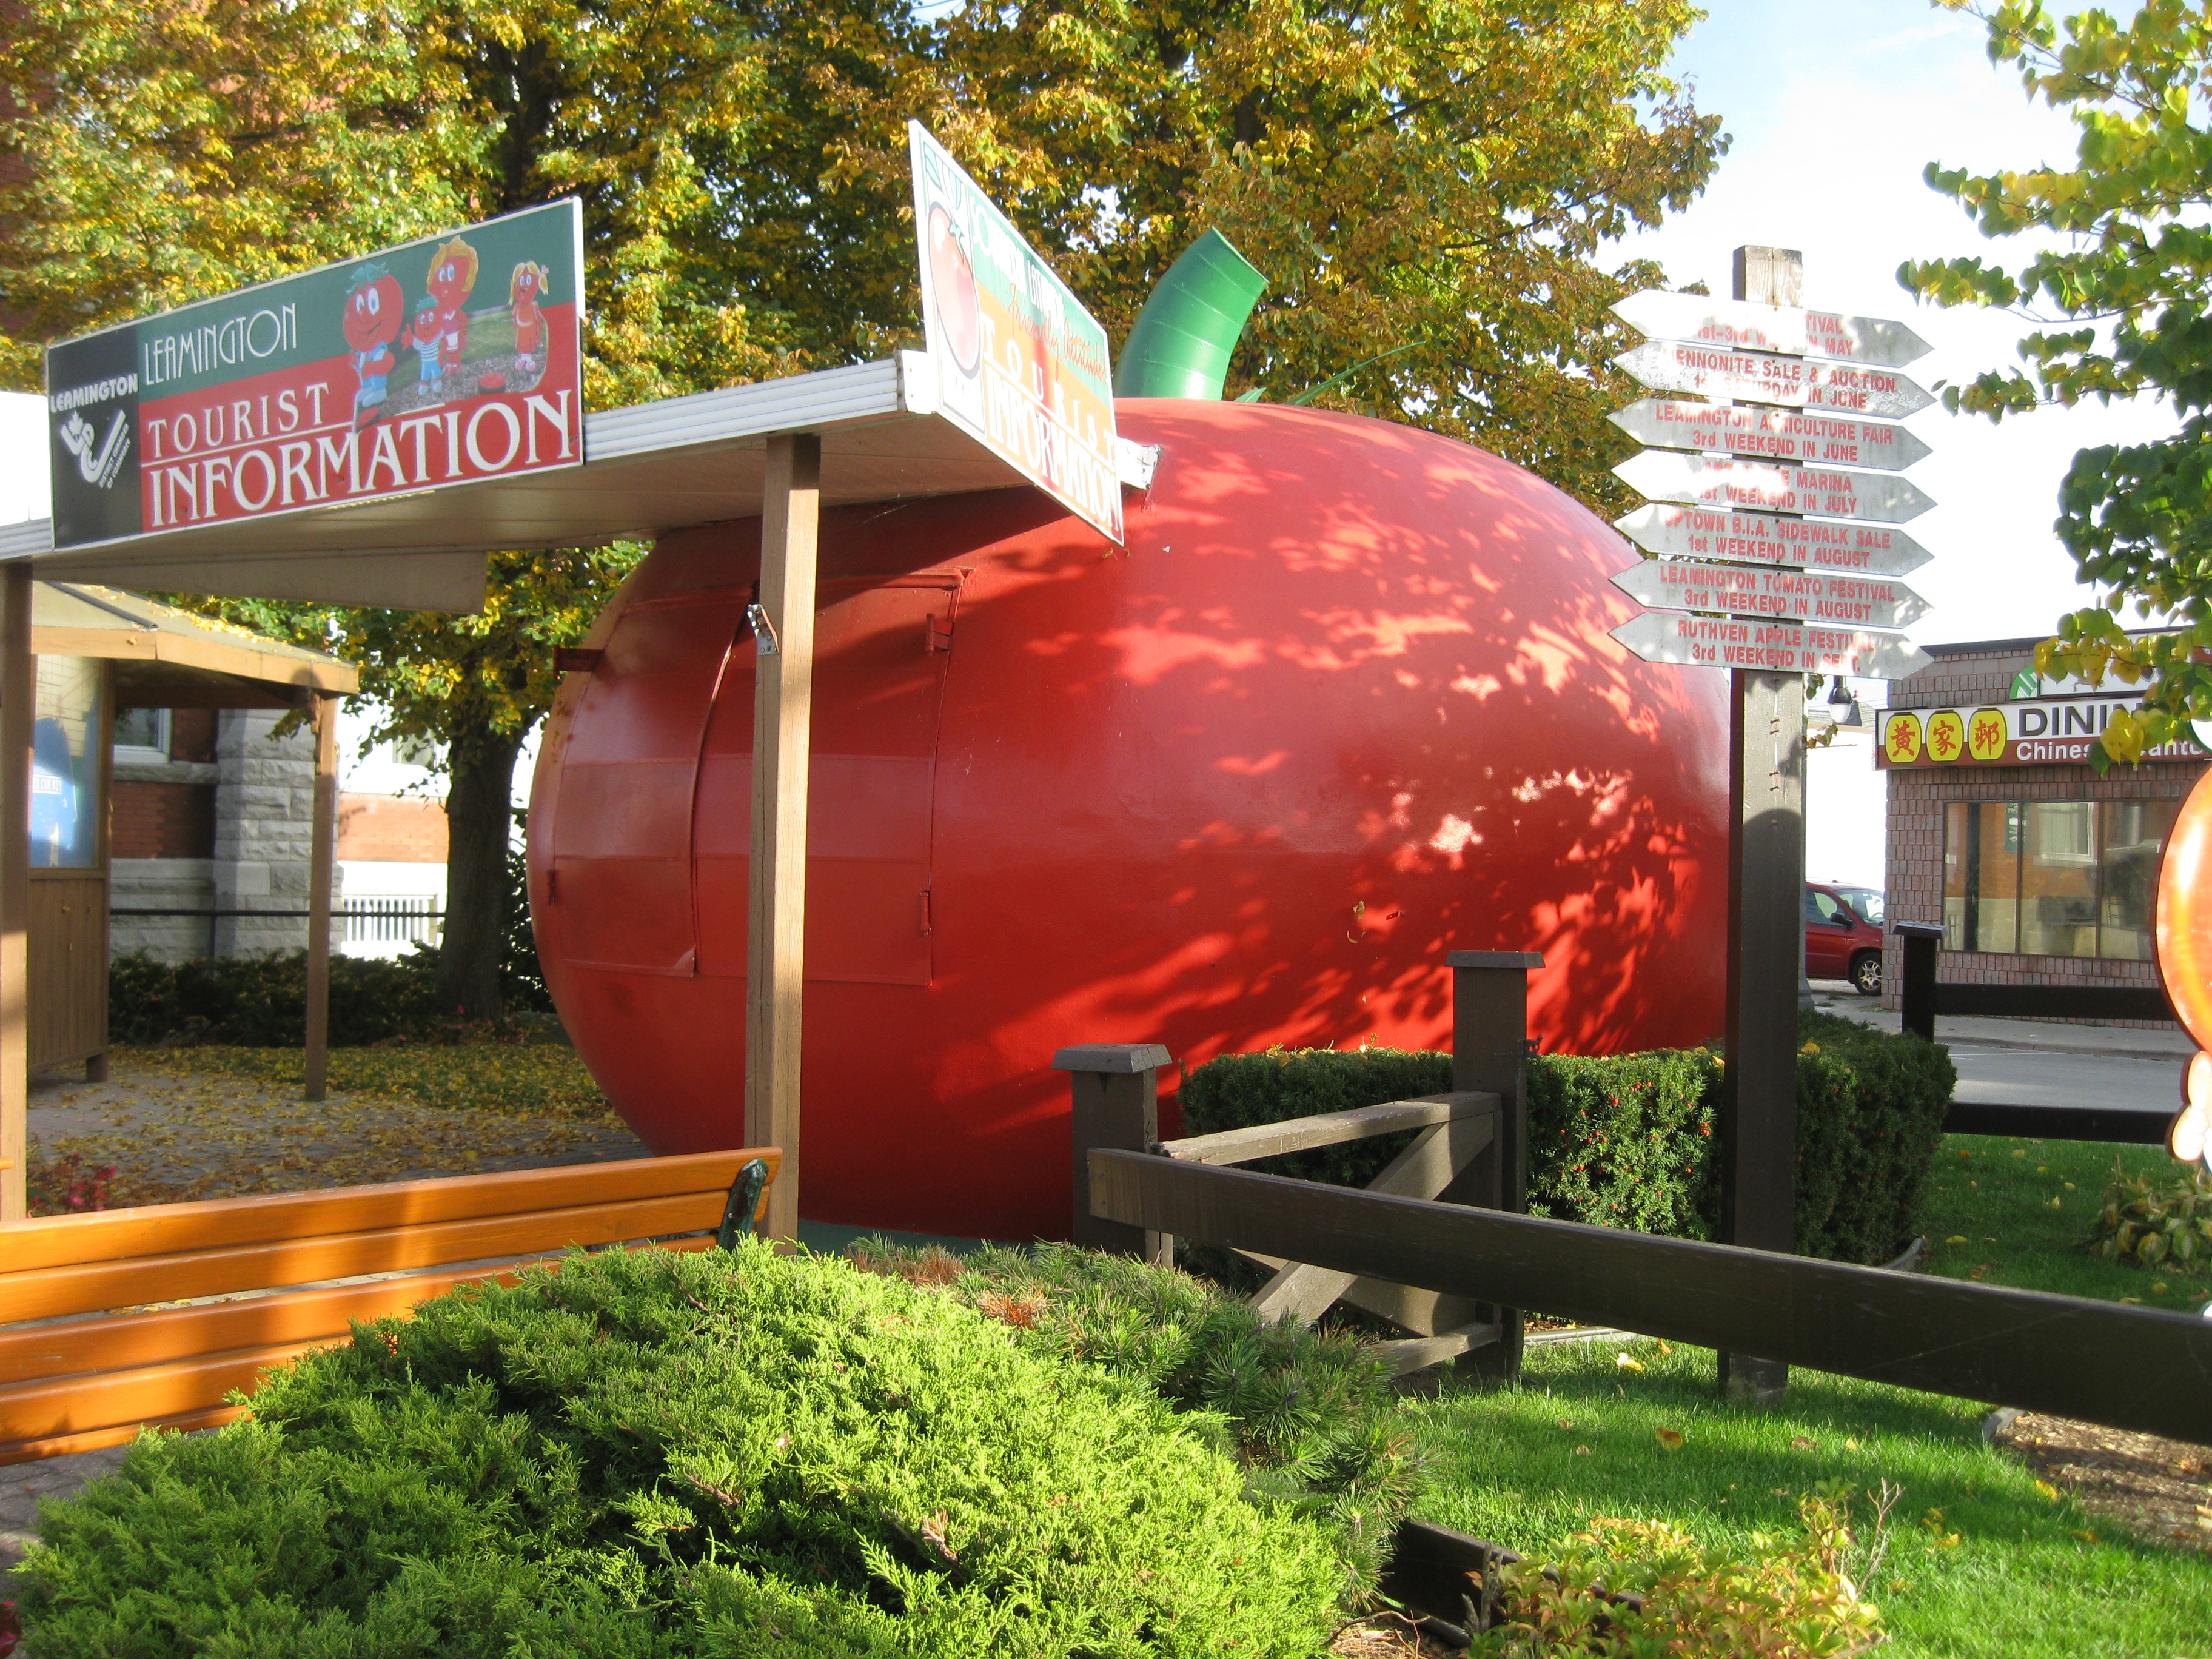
(1964, 853)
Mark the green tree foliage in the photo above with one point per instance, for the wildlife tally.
(1441, 177)
(2122, 309)
(1437, 175)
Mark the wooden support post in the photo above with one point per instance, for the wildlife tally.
(1766, 930)
(1490, 1052)
(1917, 975)
(322, 858)
(783, 698)
(1116, 1087)
(19, 681)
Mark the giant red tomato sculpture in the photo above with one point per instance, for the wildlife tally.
(1346, 701)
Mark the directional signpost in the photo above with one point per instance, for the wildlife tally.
(1664, 474)
(1704, 533)
(1813, 596)
(1772, 475)
(1748, 325)
(1800, 435)
(1787, 382)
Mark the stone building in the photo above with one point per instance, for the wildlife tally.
(212, 829)
(2040, 871)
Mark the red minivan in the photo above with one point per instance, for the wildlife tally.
(1843, 936)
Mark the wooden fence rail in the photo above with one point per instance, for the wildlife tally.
(2128, 1368)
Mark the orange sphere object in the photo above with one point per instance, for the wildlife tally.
(1346, 701)
(2184, 913)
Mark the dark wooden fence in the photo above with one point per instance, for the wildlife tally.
(2125, 1367)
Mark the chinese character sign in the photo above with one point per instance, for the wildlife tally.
(441, 362)
(1021, 366)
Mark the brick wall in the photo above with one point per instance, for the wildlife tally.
(389, 829)
(191, 734)
(163, 821)
(1917, 796)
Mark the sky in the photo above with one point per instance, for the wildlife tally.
(1835, 107)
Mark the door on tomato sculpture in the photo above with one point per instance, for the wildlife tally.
(881, 646)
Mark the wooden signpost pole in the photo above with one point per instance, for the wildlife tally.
(1766, 884)
(783, 691)
(323, 854)
(19, 680)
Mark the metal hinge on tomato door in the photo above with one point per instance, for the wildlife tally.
(925, 913)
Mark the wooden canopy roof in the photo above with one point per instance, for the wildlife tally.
(169, 658)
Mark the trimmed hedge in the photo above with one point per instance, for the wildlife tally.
(716, 1455)
(261, 1001)
(1626, 1140)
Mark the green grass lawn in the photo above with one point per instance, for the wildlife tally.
(1984, 1561)
(2017, 1209)
(535, 1080)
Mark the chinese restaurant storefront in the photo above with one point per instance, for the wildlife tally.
(2040, 871)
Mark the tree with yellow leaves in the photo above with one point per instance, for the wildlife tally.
(1433, 181)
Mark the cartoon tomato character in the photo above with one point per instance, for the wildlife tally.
(371, 320)
(424, 334)
(453, 273)
(524, 289)
(958, 305)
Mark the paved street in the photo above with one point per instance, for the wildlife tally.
(2018, 1077)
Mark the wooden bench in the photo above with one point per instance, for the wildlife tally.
(70, 1384)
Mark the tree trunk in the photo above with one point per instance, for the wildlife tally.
(479, 819)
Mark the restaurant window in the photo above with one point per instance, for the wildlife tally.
(2056, 878)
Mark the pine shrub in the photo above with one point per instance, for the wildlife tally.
(1309, 1413)
(730, 1456)
(1627, 1140)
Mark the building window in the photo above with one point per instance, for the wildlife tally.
(2053, 878)
(142, 736)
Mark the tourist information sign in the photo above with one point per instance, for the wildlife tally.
(1784, 647)
(1833, 492)
(1749, 327)
(441, 362)
(1807, 437)
(1709, 533)
(1021, 366)
(1769, 591)
(1761, 378)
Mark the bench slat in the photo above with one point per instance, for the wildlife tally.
(30, 1451)
(94, 1287)
(122, 1340)
(157, 1230)
(79, 1405)
(1300, 1134)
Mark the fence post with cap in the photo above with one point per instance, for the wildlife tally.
(1917, 980)
(1115, 1087)
(1490, 1052)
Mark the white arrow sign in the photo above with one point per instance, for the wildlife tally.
(1755, 377)
(1745, 326)
(1709, 533)
(1664, 476)
(1769, 591)
(1770, 646)
(1810, 437)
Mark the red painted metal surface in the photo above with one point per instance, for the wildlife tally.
(1345, 702)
